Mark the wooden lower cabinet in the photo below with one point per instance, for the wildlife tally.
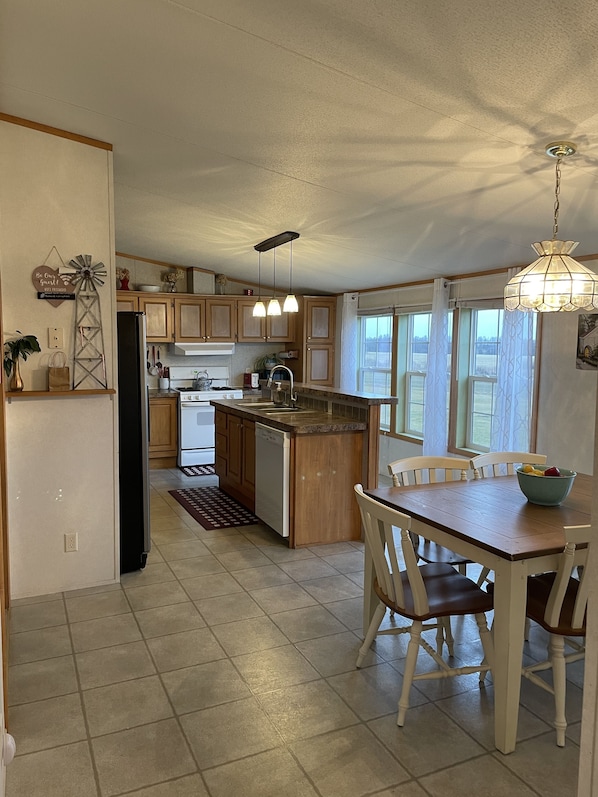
(163, 432)
(323, 470)
(235, 457)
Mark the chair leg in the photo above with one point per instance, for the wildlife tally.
(483, 577)
(487, 644)
(371, 633)
(559, 682)
(410, 662)
(444, 624)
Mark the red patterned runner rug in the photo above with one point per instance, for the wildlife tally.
(212, 508)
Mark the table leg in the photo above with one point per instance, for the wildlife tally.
(509, 623)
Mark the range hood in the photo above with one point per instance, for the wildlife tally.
(195, 349)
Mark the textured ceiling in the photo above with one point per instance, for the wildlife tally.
(403, 139)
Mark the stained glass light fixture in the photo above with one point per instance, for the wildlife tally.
(555, 282)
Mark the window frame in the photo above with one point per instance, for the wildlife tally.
(461, 382)
(362, 370)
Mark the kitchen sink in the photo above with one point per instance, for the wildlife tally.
(258, 405)
(276, 410)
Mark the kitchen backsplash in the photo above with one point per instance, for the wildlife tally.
(244, 357)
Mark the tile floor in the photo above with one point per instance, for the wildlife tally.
(226, 668)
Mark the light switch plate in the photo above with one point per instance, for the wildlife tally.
(55, 338)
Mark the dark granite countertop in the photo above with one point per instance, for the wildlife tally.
(307, 421)
(155, 392)
(336, 394)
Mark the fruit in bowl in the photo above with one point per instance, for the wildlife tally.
(545, 485)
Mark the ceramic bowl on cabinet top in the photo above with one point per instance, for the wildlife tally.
(149, 288)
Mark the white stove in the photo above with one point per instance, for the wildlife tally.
(197, 438)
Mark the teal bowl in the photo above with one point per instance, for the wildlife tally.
(546, 490)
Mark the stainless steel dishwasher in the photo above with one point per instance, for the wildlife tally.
(272, 458)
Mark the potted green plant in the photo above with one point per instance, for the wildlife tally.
(264, 364)
(13, 350)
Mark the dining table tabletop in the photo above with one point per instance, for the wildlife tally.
(491, 522)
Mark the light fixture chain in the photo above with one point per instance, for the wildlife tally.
(557, 191)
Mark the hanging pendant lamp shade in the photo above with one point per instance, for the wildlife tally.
(259, 308)
(290, 303)
(555, 281)
(274, 304)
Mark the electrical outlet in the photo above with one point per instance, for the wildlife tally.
(71, 542)
(55, 338)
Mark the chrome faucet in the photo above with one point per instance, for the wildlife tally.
(293, 395)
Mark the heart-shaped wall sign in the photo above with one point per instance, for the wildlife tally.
(49, 280)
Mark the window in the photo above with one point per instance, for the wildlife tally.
(480, 345)
(394, 360)
(418, 341)
(374, 373)
(483, 369)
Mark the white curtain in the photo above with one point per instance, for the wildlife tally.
(512, 412)
(435, 415)
(349, 359)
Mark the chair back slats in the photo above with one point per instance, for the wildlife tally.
(379, 523)
(428, 470)
(571, 558)
(502, 463)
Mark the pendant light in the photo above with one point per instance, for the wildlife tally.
(555, 282)
(259, 308)
(274, 304)
(290, 303)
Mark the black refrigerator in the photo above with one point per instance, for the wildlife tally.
(133, 420)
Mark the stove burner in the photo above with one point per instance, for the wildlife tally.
(204, 390)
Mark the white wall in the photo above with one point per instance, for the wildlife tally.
(567, 397)
(61, 451)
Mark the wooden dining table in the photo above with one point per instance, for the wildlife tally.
(491, 522)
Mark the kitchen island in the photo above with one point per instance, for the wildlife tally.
(333, 442)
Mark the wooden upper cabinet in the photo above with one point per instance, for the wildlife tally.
(319, 319)
(126, 304)
(281, 327)
(221, 319)
(159, 318)
(190, 320)
(319, 364)
(198, 320)
(249, 328)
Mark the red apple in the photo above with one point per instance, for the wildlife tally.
(554, 471)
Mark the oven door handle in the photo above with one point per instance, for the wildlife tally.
(205, 405)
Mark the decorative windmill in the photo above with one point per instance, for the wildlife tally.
(89, 359)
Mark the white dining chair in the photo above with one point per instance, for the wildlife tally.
(420, 593)
(429, 470)
(557, 601)
(501, 463)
